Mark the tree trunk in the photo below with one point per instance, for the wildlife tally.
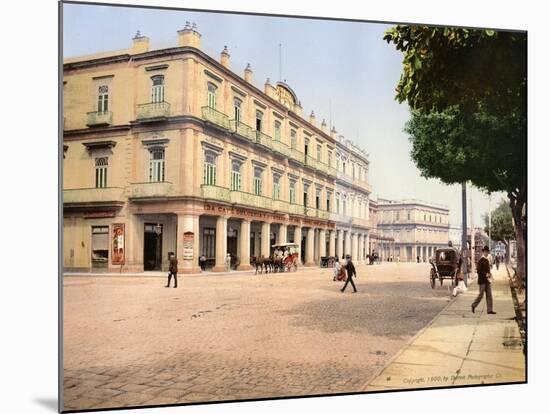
(517, 204)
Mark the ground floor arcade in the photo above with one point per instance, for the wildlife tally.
(138, 237)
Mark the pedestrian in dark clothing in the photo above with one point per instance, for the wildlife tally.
(350, 268)
(173, 269)
(484, 282)
(497, 261)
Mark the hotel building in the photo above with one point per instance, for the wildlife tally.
(170, 150)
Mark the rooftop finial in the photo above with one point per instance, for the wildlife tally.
(194, 26)
(187, 25)
(138, 35)
(248, 67)
(225, 50)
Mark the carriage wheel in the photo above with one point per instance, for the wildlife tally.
(440, 281)
(432, 278)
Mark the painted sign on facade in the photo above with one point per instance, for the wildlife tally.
(188, 240)
(118, 244)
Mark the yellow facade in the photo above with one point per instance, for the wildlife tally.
(145, 129)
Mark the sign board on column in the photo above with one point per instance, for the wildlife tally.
(118, 244)
(188, 241)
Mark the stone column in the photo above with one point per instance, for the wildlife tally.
(244, 245)
(322, 243)
(282, 234)
(264, 249)
(361, 257)
(332, 243)
(298, 241)
(340, 243)
(188, 262)
(221, 244)
(309, 247)
(367, 244)
(347, 247)
(354, 250)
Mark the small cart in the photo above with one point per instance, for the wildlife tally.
(446, 264)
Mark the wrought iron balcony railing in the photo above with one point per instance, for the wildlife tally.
(215, 117)
(264, 139)
(99, 118)
(153, 111)
(243, 130)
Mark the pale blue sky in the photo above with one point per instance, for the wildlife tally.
(343, 65)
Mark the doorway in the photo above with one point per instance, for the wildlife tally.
(152, 247)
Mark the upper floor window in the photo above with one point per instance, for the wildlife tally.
(337, 204)
(408, 215)
(344, 206)
(292, 192)
(211, 95)
(156, 165)
(329, 158)
(317, 198)
(353, 170)
(276, 189)
(257, 182)
(306, 190)
(101, 172)
(397, 216)
(343, 167)
(337, 163)
(209, 173)
(103, 98)
(236, 175)
(293, 141)
(259, 118)
(318, 152)
(237, 109)
(306, 146)
(328, 201)
(277, 131)
(157, 88)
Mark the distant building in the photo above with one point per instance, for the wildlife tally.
(455, 236)
(417, 227)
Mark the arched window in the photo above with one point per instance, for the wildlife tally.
(276, 189)
(292, 191)
(257, 183)
(156, 165)
(103, 98)
(209, 176)
(157, 89)
(236, 175)
(212, 95)
(101, 172)
(237, 109)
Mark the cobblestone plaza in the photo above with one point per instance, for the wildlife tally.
(129, 341)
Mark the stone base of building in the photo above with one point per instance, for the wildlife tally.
(244, 267)
(188, 270)
(219, 269)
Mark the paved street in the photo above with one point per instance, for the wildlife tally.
(130, 341)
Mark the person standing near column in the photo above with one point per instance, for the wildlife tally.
(173, 269)
(484, 282)
(350, 268)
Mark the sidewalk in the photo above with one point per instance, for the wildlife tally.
(459, 347)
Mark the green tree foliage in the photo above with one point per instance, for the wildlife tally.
(502, 226)
(467, 93)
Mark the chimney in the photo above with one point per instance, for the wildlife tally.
(333, 132)
(189, 36)
(224, 57)
(324, 126)
(141, 43)
(312, 118)
(248, 73)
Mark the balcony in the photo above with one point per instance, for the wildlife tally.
(150, 190)
(99, 118)
(264, 139)
(83, 196)
(281, 206)
(215, 117)
(215, 192)
(296, 155)
(252, 200)
(243, 130)
(281, 148)
(361, 222)
(313, 212)
(153, 112)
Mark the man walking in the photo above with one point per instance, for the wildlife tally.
(350, 268)
(173, 269)
(484, 282)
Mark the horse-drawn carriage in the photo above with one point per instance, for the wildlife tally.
(445, 265)
(284, 259)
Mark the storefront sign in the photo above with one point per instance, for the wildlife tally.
(188, 240)
(118, 244)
